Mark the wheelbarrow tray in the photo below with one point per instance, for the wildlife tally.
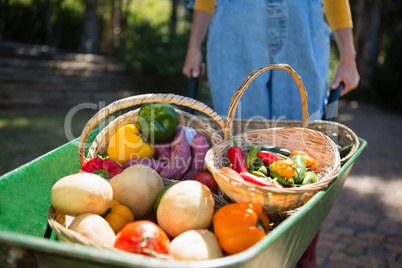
(25, 199)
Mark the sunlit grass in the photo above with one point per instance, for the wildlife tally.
(28, 134)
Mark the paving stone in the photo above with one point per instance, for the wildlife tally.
(382, 255)
(338, 264)
(354, 258)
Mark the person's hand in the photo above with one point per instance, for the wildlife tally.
(346, 72)
(193, 65)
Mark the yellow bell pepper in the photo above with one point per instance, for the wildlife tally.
(119, 215)
(127, 143)
(239, 226)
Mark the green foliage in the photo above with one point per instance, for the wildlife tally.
(152, 50)
(68, 25)
(22, 22)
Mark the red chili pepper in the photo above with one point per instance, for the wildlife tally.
(257, 180)
(236, 158)
(105, 168)
(269, 157)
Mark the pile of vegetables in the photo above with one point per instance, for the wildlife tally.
(135, 212)
(270, 166)
(120, 200)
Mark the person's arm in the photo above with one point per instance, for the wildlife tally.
(340, 20)
(193, 63)
(346, 71)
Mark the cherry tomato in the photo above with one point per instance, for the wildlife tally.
(142, 237)
(207, 179)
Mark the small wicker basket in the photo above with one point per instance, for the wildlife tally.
(315, 143)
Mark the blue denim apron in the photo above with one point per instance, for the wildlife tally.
(245, 35)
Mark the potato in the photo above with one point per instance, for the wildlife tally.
(187, 205)
(195, 245)
(81, 193)
(137, 188)
(95, 228)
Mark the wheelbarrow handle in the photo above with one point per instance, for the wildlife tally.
(192, 90)
(333, 97)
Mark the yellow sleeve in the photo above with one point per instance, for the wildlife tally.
(205, 5)
(338, 14)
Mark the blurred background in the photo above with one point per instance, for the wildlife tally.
(62, 60)
(55, 54)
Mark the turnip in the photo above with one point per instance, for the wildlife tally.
(95, 228)
(137, 188)
(81, 193)
(195, 245)
(187, 205)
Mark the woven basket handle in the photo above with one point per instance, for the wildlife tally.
(237, 95)
(138, 100)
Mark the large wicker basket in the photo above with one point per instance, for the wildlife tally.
(315, 143)
(60, 222)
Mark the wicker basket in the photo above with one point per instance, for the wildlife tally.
(99, 145)
(59, 222)
(345, 136)
(315, 143)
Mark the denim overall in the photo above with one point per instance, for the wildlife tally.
(247, 34)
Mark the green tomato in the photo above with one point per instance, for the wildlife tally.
(309, 177)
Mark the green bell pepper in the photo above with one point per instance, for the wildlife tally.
(157, 122)
(252, 155)
(300, 168)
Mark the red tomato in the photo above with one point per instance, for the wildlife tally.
(142, 237)
(208, 180)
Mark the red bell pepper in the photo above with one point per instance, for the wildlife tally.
(257, 180)
(269, 157)
(105, 168)
(236, 158)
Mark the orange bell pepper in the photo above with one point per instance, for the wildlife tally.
(310, 162)
(119, 215)
(283, 168)
(239, 226)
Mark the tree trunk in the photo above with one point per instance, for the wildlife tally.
(90, 33)
(173, 17)
(110, 28)
(123, 22)
(368, 25)
(48, 23)
(116, 24)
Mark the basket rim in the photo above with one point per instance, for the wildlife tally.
(123, 119)
(314, 187)
(139, 100)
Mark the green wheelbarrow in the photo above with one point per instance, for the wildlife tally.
(25, 199)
